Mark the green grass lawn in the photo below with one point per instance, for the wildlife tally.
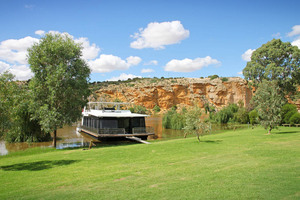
(241, 164)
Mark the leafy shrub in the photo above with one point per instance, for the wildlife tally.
(253, 117)
(295, 119)
(287, 111)
(213, 77)
(241, 116)
(224, 79)
(173, 120)
(225, 115)
(138, 109)
(156, 109)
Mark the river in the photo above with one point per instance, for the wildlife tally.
(69, 138)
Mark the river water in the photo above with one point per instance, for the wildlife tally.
(69, 138)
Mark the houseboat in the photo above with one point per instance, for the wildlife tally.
(106, 120)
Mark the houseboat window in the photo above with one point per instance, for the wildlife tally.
(138, 122)
(109, 123)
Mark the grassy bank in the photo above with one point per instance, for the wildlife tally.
(243, 164)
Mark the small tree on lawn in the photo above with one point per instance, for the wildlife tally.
(193, 123)
(269, 101)
(60, 83)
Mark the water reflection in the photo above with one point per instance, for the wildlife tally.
(66, 138)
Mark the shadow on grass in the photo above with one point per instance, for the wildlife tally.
(37, 166)
(212, 141)
(287, 132)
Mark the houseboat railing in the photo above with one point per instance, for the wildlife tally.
(138, 130)
(111, 131)
(104, 130)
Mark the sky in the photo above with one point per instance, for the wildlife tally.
(149, 38)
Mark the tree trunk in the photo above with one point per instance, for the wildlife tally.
(54, 138)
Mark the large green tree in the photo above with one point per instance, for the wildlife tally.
(275, 60)
(269, 100)
(60, 83)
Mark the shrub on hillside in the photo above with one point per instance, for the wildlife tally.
(156, 109)
(138, 109)
(213, 77)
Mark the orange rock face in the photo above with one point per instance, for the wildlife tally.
(180, 92)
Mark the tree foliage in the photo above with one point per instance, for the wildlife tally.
(174, 120)
(60, 83)
(16, 124)
(287, 111)
(275, 60)
(156, 109)
(269, 101)
(193, 123)
(253, 117)
(7, 88)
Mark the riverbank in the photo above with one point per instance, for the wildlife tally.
(241, 164)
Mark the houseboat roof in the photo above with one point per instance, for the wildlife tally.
(112, 113)
(109, 109)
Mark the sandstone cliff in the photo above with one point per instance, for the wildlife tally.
(178, 91)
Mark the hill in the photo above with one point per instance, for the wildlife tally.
(167, 92)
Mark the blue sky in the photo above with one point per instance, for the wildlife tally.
(151, 38)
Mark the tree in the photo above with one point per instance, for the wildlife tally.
(269, 101)
(60, 83)
(275, 60)
(7, 88)
(193, 123)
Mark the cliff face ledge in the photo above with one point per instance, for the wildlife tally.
(180, 91)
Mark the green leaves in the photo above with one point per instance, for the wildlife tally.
(60, 83)
(269, 100)
(275, 60)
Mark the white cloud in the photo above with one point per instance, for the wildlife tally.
(15, 51)
(157, 35)
(295, 31)
(240, 73)
(296, 43)
(189, 65)
(22, 72)
(40, 32)
(152, 62)
(89, 51)
(147, 70)
(133, 60)
(4, 67)
(108, 63)
(124, 77)
(247, 55)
